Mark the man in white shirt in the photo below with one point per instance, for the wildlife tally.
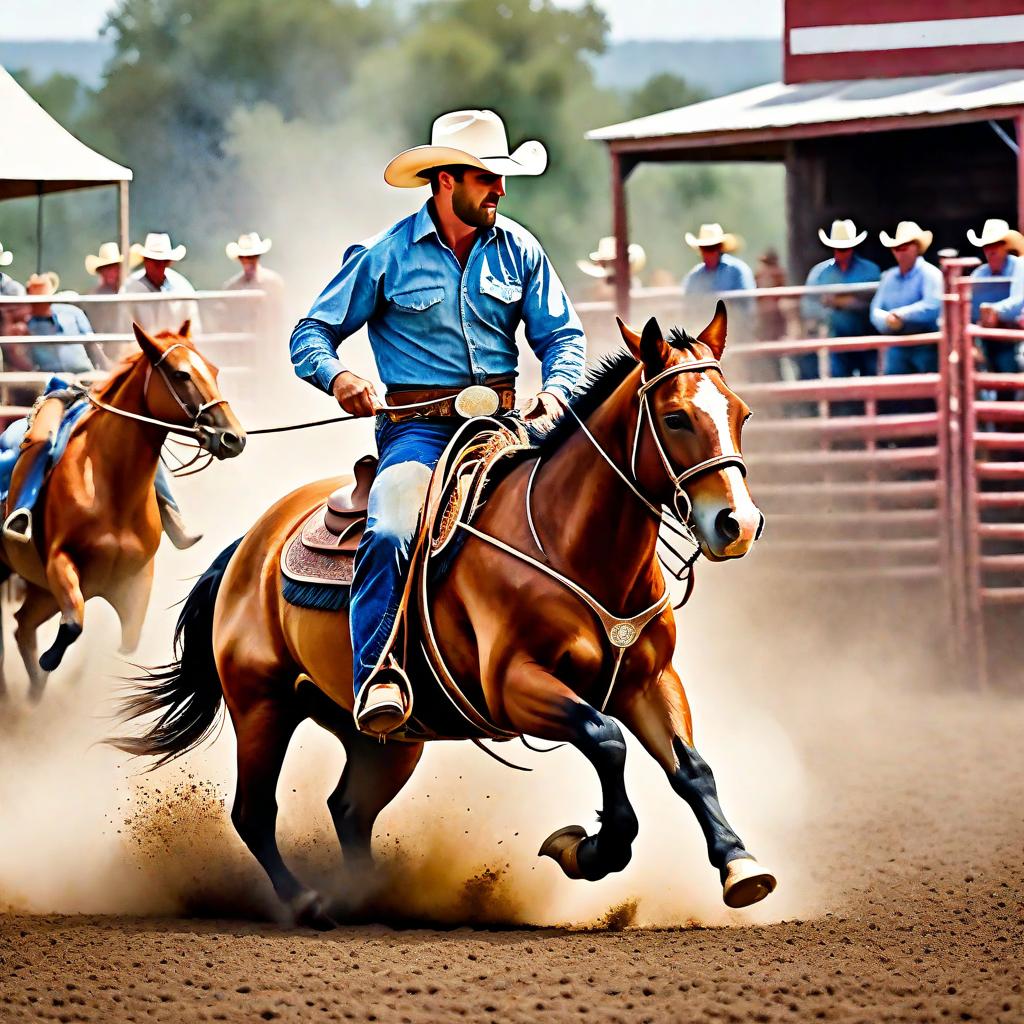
(155, 277)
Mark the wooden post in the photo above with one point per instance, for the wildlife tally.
(620, 228)
(1019, 125)
(39, 227)
(122, 227)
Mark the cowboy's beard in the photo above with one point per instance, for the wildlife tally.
(476, 215)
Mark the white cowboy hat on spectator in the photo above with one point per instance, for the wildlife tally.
(712, 234)
(248, 244)
(907, 231)
(473, 138)
(158, 247)
(110, 252)
(844, 235)
(597, 265)
(47, 279)
(996, 230)
(6, 256)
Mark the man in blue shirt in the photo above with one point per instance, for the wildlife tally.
(58, 318)
(717, 272)
(1001, 246)
(909, 300)
(441, 294)
(840, 315)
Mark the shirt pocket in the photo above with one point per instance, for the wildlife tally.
(416, 300)
(508, 292)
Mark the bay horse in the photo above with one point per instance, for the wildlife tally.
(525, 645)
(99, 514)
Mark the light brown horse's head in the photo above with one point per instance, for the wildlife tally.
(696, 418)
(183, 390)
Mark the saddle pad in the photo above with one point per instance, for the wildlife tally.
(311, 555)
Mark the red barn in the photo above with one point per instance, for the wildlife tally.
(887, 111)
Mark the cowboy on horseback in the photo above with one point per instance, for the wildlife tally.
(441, 293)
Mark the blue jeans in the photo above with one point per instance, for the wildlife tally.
(912, 359)
(1000, 357)
(408, 453)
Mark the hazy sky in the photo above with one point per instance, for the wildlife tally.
(630, 19)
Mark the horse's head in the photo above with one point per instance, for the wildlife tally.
(690, 441)
(182, 389)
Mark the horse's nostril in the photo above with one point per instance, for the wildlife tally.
(231, 441)
(727, 525)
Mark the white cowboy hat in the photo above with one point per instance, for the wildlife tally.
(844, 235)
(597, 265)
(474, 138)
(110, 252)
(907, 231)
(6, 256)
(158, 247)
(47, 278)
(712, 234)
(248, 244)
(996, 230)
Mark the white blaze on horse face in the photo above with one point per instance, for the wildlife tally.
(711, 401)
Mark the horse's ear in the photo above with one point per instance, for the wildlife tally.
(185, 330)
(654, 349)
(630, 337)
(714, 334)
(146, 343)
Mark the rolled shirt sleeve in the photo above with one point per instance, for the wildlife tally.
(878, 311)
(924, 313)
(1009, 309)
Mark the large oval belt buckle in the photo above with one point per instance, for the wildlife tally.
(477, 400)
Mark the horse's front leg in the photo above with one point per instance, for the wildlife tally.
(130, 599)
(659, 715)
(538, 704)
(66, 586)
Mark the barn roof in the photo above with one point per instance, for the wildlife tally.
(778, 112)
(38, 151)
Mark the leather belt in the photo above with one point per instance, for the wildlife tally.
(440, 403)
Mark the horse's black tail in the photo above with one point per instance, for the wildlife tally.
(186, 694)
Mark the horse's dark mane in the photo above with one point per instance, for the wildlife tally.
(599, 384)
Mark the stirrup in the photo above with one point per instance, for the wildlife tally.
(13, 528)
(389, 714)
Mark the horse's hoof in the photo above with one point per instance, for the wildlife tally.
(51, 659)
(562, 847)
(310, 911)
(746, 883)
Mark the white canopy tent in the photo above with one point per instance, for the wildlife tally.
(40, 156)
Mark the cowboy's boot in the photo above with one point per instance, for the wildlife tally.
(385, 707)
(174, 524)
(26, 483)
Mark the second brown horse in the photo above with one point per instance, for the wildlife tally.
(657, 424)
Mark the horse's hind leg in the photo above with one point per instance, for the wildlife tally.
(539, 705)
(66, 585)
(130, 599)
(659, 715)
(38, 606)
(263, 729)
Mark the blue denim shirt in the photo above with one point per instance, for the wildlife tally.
(853, 321)
(991, 292)
(730, 275)
(63, 319)
(915, 297)
(431, 323)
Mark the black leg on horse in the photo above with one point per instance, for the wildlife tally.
(263, 732)
(660, 718)
(600, 740)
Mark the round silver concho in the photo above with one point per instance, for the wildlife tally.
(623, 634)
(477, 400)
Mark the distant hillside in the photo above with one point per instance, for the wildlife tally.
(717, 67)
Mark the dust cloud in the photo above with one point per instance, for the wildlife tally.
(777, 688)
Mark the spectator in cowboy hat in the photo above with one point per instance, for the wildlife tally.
(155, 276)
(601, 267)
(8, 286)
(108, 318)
(249, 250)
(993, 304)
(840, 315)
(908, 300)
(718, 271)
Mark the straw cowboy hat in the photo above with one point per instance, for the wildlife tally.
(996, 230)
(110, 252)
(597, 265)
(907, 231)
(248, 244)
(158, 247)
(474, 138)
(6, 256)
(48, 279)
(712, 234)
(844, 235)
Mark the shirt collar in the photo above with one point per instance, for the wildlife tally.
(423, 225)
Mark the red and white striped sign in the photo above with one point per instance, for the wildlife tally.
(828, 40)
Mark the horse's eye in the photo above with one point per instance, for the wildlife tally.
(678, 421)
(182, 375)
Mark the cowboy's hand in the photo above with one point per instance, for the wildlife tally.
(989, 317)
(355, 395)
(893, 322)
(543, 411)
